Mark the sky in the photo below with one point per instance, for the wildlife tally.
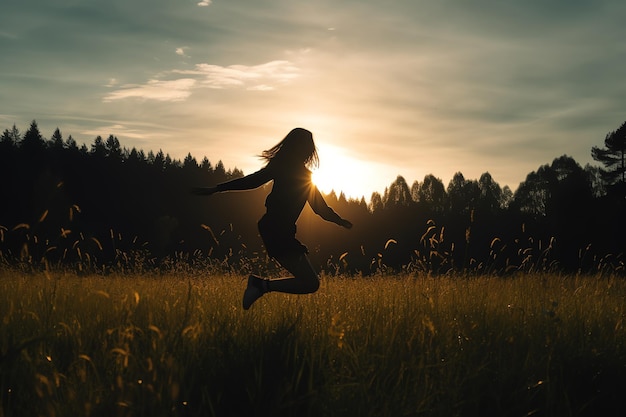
(388, 87)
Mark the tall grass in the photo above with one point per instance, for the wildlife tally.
(181, 345)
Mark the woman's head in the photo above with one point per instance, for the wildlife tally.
(297, 146)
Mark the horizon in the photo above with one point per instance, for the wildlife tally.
(318, 173)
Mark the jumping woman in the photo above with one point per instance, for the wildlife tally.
(287, 164)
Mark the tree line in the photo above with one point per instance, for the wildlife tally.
(107, 206)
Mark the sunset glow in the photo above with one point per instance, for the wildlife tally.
(340, 172)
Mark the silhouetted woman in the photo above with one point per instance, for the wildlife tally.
(287, 165)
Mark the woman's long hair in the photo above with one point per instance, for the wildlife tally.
(297, 146)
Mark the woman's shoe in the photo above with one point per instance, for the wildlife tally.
(255, 290)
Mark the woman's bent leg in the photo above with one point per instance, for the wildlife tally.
(304, 280)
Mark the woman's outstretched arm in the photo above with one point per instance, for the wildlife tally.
(248, 182)
(319, 206)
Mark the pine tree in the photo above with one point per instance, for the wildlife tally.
(33, 142)
(613, 156)
(56, 140)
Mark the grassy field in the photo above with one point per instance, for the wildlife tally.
(181, 345)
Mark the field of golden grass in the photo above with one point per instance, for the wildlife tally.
(397, 345)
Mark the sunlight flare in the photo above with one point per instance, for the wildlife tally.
(340, 172)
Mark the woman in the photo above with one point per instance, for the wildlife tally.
(287, 164)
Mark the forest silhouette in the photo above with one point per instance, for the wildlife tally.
(109, 208)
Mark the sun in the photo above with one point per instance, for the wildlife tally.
(340, 172)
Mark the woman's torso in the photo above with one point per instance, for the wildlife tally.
(290, 191)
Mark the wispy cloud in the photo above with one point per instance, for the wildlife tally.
(8, 35)
(117, 130)
(174, 90)
(262, 77)
(261, 87)
(204, 3)
(256, 77)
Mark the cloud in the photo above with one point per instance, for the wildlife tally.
(255, 77)
(175, 90)
(117, 130)
(181, 51)
(204, 3)
(261, 87)
(8, 35)
(262, 77)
